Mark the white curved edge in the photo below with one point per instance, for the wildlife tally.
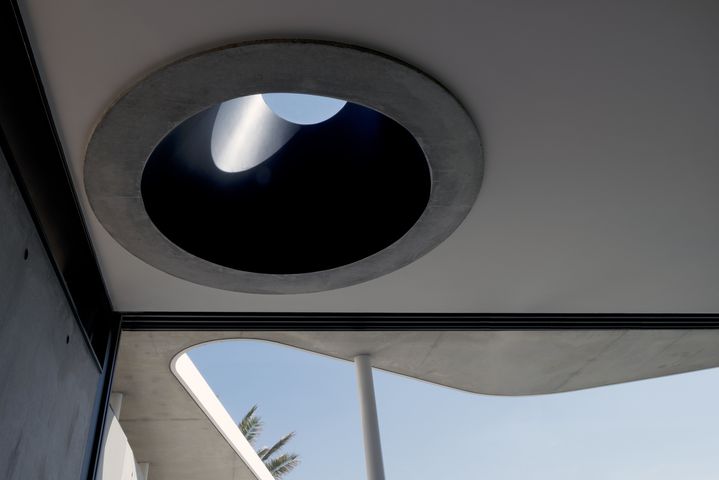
(247, 132)
(192, 380)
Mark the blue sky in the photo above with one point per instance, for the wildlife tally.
(666, 428)
(301, 108)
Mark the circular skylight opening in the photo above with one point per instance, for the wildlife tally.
(301, 108)
(241, 187)
(283, 204)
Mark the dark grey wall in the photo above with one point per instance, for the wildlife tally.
(48, 377)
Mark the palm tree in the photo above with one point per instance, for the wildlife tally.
(278, 465)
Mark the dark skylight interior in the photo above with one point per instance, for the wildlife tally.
(327, 197)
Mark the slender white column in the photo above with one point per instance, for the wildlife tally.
(143, 471)
(370, 424)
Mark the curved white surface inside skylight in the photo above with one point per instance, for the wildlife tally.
(249, 130)
(246, 133)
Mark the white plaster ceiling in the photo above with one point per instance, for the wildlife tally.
(600, 122)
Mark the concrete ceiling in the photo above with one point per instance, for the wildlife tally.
(600, 122)
(499, 363)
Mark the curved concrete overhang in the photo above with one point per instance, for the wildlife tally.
(131, 129)
(167, 427)
(183, 437)
(508, 363)
(194, 383)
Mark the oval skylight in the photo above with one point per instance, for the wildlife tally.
(249, 130)
(240, 186)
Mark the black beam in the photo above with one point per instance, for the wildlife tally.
(91, 460)
(423, 321)
(32, 148)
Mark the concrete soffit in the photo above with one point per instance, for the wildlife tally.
(137, 122)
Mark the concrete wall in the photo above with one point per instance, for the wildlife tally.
(48, 377)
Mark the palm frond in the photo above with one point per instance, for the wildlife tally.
(251, 425)
(282, 465)
(266, 453)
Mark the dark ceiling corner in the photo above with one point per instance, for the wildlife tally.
(30, 143)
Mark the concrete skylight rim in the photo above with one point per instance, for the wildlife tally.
(128, 133)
